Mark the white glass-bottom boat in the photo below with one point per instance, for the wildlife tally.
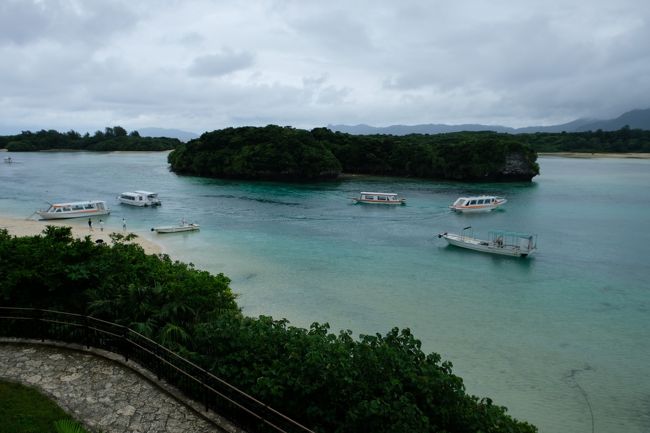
(481, 203)
(379, 198)
(499, 242)
(139, 198)
(76, 209)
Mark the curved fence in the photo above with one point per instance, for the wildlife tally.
(195, 382)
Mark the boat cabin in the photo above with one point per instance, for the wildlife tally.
(478, 203)
(474, 201)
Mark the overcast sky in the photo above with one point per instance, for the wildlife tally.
(209, 64)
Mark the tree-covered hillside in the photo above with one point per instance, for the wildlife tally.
(329, 382)
(623, 140)
(111, 139)
(274, 152)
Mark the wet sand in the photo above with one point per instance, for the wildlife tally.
(596, 155)
(30, 227)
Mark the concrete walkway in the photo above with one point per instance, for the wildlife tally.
(105, 395)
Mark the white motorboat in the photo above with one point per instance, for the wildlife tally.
(499, 242)
(481, 203)
(379, 198)
(182, 227)
(139, 198)
(76, 209)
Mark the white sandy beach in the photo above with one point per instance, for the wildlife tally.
(29, 227)
(596, 155)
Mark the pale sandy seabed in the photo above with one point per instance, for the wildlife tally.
(30, 227)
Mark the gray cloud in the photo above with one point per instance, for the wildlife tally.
(225, 62)
(84, 65)
(64, 21)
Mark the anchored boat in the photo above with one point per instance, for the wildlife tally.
(500, 242)
(76, 209)
(379, 198)
(481, 203)
(182, 227)
(139, 198)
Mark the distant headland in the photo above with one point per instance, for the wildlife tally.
(111, 139)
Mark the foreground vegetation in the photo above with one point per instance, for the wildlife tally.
(111, 139)
(329, 382)
(25, 410)
(275, 152)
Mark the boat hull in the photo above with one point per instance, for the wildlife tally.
(392, 202)
(474, 210)
(485, 246)
(139, 204)
(177, 229)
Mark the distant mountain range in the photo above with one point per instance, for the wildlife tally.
(166, 132)
(635, 119)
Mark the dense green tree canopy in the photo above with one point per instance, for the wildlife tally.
(623, 140)
(273, 152)
(328, 382)
(111, 139)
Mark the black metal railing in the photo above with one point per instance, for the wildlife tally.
(195, 382)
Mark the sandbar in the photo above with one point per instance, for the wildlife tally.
(596, 155)
(80, 229)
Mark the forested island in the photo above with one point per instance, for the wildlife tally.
(328, 382)
(285, 153)
(111, 139)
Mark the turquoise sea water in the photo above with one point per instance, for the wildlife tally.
(561, 339)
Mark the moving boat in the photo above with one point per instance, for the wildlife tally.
(76, 209)
(182, 227)
(499, 242)
(481, 203)
(139, 198)
(379, 198)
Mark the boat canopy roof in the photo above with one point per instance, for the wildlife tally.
(510, 234)
(476, 197)
(379, 193)
(77, 203)
(146, 192)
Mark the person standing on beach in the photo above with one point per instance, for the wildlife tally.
(90, 224)
(101, 225)
(123, 224)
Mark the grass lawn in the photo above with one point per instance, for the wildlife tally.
(25, 410)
